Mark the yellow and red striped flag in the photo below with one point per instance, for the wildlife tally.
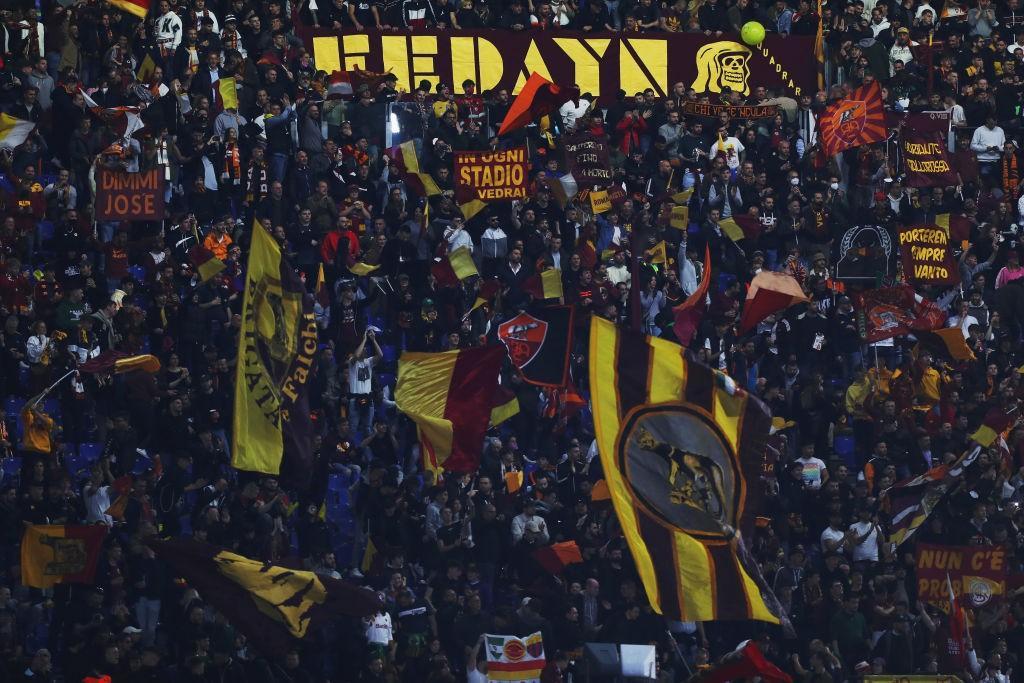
(449, 396)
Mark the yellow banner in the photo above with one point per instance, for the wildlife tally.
(275, 353)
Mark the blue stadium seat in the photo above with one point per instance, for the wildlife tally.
(13, 406)
(46, 230)
(12, 467)
(389, 353)
(844, 447)
(51, 407)
(137, 272)
(90, 451)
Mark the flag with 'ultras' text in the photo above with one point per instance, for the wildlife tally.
(681, 448)
(52, 554)
(538, 343)
(273, 606)
(449, 396)
(276, 352)
(510, 658)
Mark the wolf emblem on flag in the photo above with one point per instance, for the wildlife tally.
(856, 120)
(687, 485)
(523, 335)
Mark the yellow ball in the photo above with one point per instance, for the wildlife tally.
(752, 33)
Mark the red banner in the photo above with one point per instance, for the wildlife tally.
(927, 258)
(600, 63)
(491, 176)
(977, 573)
(926, 159)
(122, 196)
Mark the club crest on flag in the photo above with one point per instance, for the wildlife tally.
(535, 645)
(523, 335)
(69, 555)
(514, 650)
(885, 318)
(273, 327)
(979, 589)
(852, 117)
(687, 483)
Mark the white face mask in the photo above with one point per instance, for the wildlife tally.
(834, 186)
(794, 181)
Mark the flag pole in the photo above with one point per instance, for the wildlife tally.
(41, 396)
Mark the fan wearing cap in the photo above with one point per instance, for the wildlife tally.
(901, 50)
(230, 37)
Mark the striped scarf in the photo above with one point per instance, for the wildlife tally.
(1011, 175)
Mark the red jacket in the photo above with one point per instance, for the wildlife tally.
(629, 131)
(335, 242)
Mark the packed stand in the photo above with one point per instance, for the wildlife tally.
(453, 557)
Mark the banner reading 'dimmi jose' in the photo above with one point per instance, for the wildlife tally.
(600, 63)
(123, 196)
(926, 257)
(491, 176)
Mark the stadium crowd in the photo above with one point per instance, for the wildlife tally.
(452, 556)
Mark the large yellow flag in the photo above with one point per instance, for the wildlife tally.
(681, 448)
(276, 351)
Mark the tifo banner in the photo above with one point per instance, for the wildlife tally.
(926, 159)
(927, 259)
(977, 573)
(600, 63)
(735, 111)
(491, 176)
(514, 659)
(586, 157)
(123, 196)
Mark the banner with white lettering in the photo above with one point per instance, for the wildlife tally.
(927, 257)
(491, 176)
(122, 196)
(587, 158)
(926, 159)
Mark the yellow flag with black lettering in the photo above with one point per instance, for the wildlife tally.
(276, 351)
(681, 448)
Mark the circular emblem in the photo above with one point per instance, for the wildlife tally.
(514, 650)
(680, 467)
(979, 590)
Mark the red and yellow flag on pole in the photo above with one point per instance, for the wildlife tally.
(139, 8)
(52, 554)
(450, 396)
